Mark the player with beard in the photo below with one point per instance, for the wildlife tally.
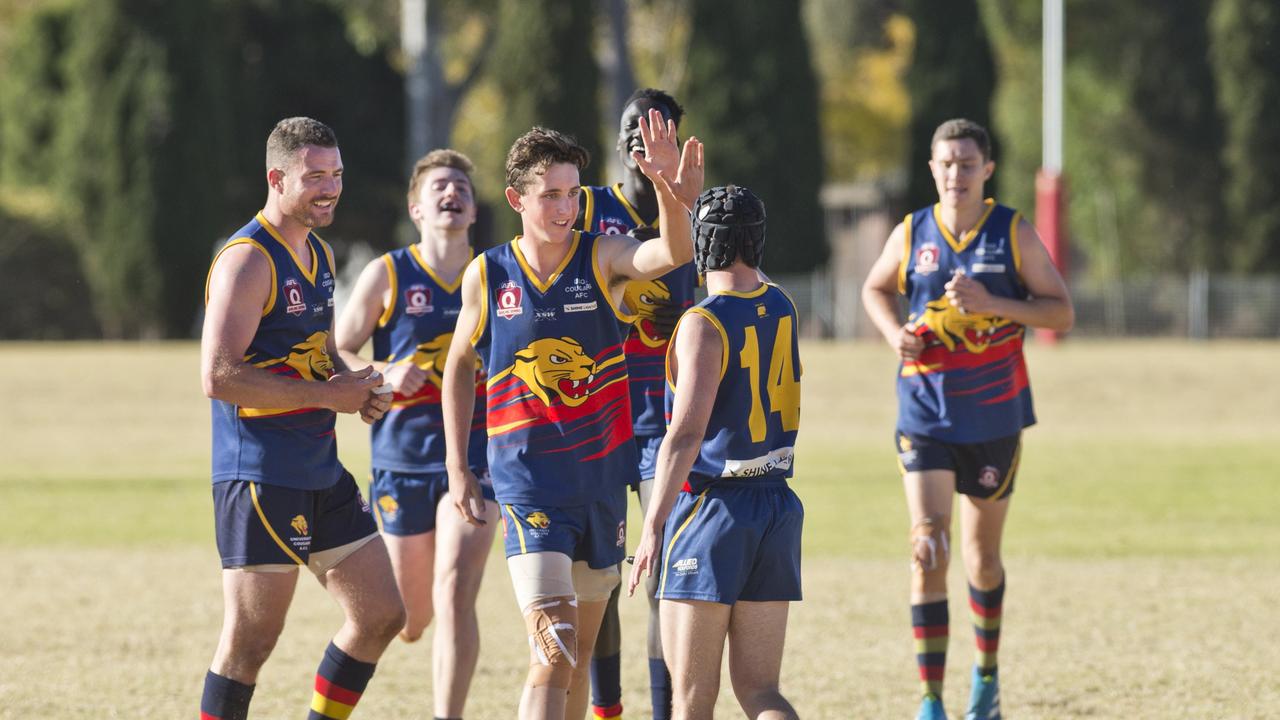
(408, 301)
(631, 207)
(281, 498)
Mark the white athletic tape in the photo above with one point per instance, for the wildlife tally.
(383, 389)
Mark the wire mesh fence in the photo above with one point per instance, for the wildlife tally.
(1199, 306)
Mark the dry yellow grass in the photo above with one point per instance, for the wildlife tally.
(1141, 551)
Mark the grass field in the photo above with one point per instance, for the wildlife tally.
(1142, 551)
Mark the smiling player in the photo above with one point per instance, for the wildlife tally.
(543, 312)
(408, 300)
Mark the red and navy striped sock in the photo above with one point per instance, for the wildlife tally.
(986, 607)
(930, 623)
(340, 682)
(224, 698)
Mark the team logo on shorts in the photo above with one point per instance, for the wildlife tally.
(687, 566)
(538, 519)
(417, 300)
(622, 533)
(388, 506)
(507, 299)
(926, 259)
(295, 303)
(989, 477)
(299, 524)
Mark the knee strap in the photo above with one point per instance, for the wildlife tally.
(553, 642)
(929, 543)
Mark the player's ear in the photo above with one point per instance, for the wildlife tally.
(275, 179)
(988, 169)
(513, 199)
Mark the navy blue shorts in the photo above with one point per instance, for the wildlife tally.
(734, 541)
(596, 533)
(647, 448)
(984, 470)
(259, 524)
(405, 503)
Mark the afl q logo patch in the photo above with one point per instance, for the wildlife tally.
(989, 477)
(417, 300)
(295, 304)
(927, 259)
(508, 301)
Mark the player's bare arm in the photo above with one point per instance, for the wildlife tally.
(1049, 304)
(458, 399)
(695, 366)
(880, 298)
(368, 301)
(625, 258)
(239, 286)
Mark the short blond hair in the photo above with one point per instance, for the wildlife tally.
(434, 159)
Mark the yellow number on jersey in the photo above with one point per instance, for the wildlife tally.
(783, 388)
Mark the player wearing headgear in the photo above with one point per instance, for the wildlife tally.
(408, 301)
(631, 207)
(975, 276)
(723, 523)
(281, 498)
(543, 313)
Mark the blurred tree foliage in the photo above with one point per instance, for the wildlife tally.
(544, 68)
(753, 98)
(1141, 148)
(146, 121)
(952, 75)
(1245, 45)
(862, 51)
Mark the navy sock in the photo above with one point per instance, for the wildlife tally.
(660, 689)
(606, 686)
(224, 698)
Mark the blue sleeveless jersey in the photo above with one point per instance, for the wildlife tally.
(606, 210)
(417, 327)
(751, 434)
(970, 383)
(559, 417)
(292, 447)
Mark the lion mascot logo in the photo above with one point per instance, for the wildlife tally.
(643, 298)
(950, 325)
(299, 524)
(430, 357)
(310, 358)
(388, 505)
(556, 365)
(538, 519)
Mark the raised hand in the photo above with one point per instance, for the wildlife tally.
(661, 151)
(691, 176)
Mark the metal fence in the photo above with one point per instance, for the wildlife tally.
(1201, 306)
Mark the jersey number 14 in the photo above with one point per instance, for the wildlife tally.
(782, 386)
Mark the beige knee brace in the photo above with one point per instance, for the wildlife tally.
(929, 547)
(553, 641)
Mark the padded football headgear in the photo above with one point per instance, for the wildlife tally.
(728, 224)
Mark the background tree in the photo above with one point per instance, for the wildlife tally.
(752, 97)
(1246, 63)
(952, 75)
(861, 51)
(545, 69)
